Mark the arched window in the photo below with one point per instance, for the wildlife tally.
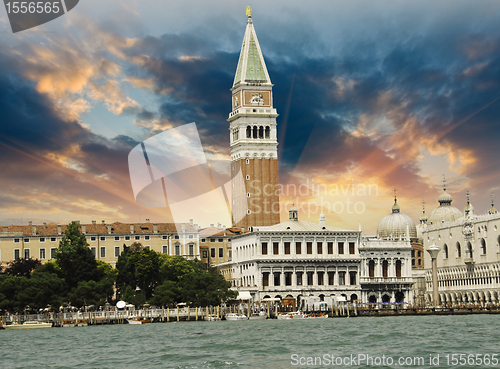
(483, 246)
(445, 248)
(249, 132)
(469, 250)
(459, 250)
(254, 131)
(371, 268)
(261, 132)
(398, 268)
(385, 268)
(268, 132)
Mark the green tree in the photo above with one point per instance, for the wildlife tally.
(74, 258)
(21, 267)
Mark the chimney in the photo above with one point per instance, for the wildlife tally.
(242, 229)
(33, 230)
(93, 222)
(224, 233)
(147, 220)
(59, 229)
(103, 221)
(84, 229)
(109, 229)
(30, 223)
(218, 225)
(44, 225)
(183, 227)
(131, 228)
(190, 222)
(211, 225)
(155, 228)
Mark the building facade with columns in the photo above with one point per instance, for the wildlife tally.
(297, 259)
(468, 261)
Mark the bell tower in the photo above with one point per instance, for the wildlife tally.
(253, 139)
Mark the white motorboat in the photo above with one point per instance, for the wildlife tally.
(234, 316)
(292, 315)
(138, 320)
(29, 325)
(260, 316)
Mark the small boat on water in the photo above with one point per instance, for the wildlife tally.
(74, 323)
(29, 325)
(292, 315)
(212, 318)
(260, 316)
(317, 316)
(138, 320)
(235, 316)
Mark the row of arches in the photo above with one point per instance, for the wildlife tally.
(258, 132)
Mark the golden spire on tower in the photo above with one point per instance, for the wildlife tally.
(249, 11)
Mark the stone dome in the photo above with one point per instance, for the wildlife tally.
(395, 225)
(444, 212)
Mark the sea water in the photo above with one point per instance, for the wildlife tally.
(364, 342)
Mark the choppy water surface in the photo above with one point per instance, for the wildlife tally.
(261, 344)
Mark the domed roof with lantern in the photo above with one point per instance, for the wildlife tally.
(444, 212)
(396, 225)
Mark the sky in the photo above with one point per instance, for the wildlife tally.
(372, 95)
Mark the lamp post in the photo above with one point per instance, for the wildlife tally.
(433, 251)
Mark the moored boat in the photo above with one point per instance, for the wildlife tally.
(138, 320)
(234, 316)
(260, 316)
(29, 325)
(292, 315)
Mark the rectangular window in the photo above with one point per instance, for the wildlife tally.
(26, 253)
(177, 250)
(212, 240)
(164, 237)
(221, 240)
(17, 240)
(191, 236)
(221, 252)
(164, 249)
(137, 238)
(42, 254)
(298, 248)
(265, 279)
(309, 278)
(320, 247)
(191, 250)
(299, 278)
(94, 251)
(330, 248)
(287, 248)
(276, 248)
(309, 248)
(17, 254)
(212, 252)
(93, 238)
(342, 278)
(53, 252)
(42, 239)
(117, 251)
(264, 248)
(127, 238)
(103, 252)
(320, 278)
(288, 278)
(203, 240)
(277, 277)
(341, 248)
(351, 248)
(331, 278)
(117, 238)
(26, 240)
(147, 247)
(102, 238)
(52, 239)
(352, 277)
(176, 237)
(205, 254)
(147, 238)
